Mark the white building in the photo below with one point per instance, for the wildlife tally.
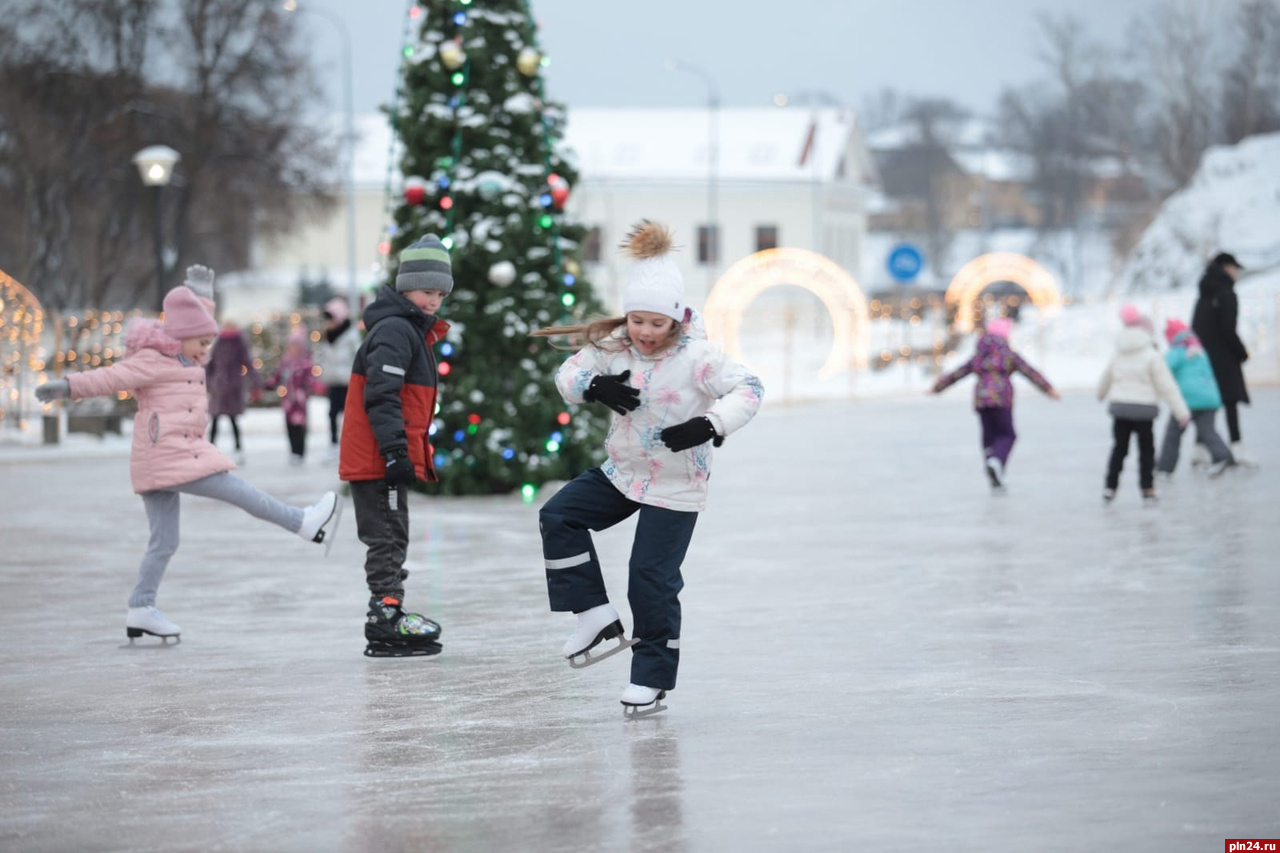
(770, 177)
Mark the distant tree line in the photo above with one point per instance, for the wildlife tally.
(85, 84)
(1190, 74)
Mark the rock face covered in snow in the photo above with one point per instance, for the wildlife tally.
(1232, 204)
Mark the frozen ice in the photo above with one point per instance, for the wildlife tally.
(877, 654)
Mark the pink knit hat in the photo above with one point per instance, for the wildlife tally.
(1000, 327)
(1131, 316)
(1173, 328)
(185, 316)
(337, 309)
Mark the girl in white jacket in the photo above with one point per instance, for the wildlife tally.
(675, 395)
(1135, 381)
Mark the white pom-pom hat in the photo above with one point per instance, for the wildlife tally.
(653, 281)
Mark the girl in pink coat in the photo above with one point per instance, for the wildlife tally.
(163, 369)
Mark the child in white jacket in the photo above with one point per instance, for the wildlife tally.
(1135, 381)
(674, 395)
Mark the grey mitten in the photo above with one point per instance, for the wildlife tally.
(200, 279)
(58, 389)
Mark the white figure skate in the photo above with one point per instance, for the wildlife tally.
(594, 627)
(1243, 458)
(639, 701)
(149, 620)
(1200, 456)
(995, 474)
(320, 521)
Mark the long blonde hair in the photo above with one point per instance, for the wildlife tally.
(598, 333)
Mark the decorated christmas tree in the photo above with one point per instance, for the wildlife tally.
(482, 171)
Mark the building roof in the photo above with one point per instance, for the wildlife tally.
(754, 144)
(759, 144)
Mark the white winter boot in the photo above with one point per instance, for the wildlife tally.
(149, 620)
(320, 521)
(640, 701)
(1242, 456)
(596, 625)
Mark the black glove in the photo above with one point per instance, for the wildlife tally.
(399, 468)
(691, 433)
(614, 392)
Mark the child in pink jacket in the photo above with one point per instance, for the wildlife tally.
(163, 369)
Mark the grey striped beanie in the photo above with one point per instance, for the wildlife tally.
(424, 265)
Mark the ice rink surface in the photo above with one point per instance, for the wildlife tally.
(877, 655)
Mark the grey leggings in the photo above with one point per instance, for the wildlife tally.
(162, 513)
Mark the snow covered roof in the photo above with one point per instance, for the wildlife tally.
(762, 143)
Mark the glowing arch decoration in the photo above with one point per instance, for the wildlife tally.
(21, 322)
(836, 289)
(985, 270)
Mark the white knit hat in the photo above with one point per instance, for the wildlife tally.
(653, 281)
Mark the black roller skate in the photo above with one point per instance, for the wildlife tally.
(392, 633)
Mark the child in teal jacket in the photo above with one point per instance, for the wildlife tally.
(1194, 374)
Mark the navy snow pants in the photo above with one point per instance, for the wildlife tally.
(574, 582)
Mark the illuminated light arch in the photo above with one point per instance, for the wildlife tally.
(836, 289)
(21, 322)
(985, 270)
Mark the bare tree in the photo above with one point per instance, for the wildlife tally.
(1174, 46)
(1251, 81)
(86, 83)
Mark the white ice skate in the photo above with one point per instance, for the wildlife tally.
(1200, 456)
(320, 521)
(149, 620)
(594, 627)
(995, 473)
(1243, 458)
(639, 701)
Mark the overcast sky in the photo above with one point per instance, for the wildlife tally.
(611, 53)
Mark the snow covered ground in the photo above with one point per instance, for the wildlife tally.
(877, 654)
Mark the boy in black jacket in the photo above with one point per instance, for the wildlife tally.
(385, 438)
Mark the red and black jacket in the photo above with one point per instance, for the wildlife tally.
(392, 395)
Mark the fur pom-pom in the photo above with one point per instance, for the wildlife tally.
(647, 240)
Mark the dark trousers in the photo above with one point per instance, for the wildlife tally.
(575, 583)
(1233, 421)
(382, 523)
(337, 402)
(213, 429)
(998, 435)
(1122, 429)
(1205, 434)
(297, 438)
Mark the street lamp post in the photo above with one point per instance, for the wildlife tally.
(155, 164)
(348, 147)
(713, 167)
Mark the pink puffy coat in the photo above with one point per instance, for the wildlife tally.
(169, 444)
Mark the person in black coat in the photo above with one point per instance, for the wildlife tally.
(1214, 322)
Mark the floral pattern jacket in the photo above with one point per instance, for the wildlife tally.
(993, 363)
(690, 379)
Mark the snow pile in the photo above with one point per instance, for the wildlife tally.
(1232, 204)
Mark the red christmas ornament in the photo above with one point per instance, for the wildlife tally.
(558, 189)
(415, 190)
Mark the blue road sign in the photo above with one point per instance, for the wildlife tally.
(905, 262)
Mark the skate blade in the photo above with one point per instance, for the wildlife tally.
(639, 712)
(136, 633)
(585, 658)
(329, 530)
(380, 651)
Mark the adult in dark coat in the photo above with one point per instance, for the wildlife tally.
(229, 375)
(1214, 322)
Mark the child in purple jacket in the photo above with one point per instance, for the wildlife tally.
(994, 364)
